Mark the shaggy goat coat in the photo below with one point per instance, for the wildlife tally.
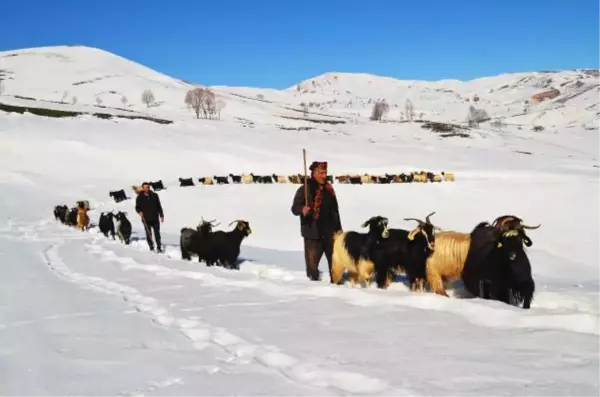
(83, 220)
(447, 261)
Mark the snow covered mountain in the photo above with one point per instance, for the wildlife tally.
(89, 76)
(83, 314)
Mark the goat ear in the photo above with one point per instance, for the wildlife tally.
(365, 224)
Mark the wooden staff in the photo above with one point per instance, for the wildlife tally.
(305, 179)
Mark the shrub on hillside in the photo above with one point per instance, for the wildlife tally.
(148, 97)
(477, 116)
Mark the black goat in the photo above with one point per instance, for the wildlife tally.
(221, 180)
(256, 178)
(123, 227)
(225, 246)
(60, 212)
(236, 178)
(267, 179)
(197, 242)
(186, 182)
(118, 195)
(405, 251)
(497, 266)
(352, 251)
(157, 186)
(106, 224)
(385, 180)
(355, 180)
(71, 217)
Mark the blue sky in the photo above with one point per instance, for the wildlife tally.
(276, 43)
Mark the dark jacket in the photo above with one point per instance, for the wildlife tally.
(329, 220)
(149, 205)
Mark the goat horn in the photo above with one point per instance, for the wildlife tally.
(531, 227)
(414, 219)
(427, 217)
(237, 220)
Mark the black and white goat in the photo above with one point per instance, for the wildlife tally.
(352, 251)
(123, 227)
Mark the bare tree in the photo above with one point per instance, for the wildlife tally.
(124, 100)
(260, 96)
(304, 109)
(220, 106)
(380, 109)
(1, 86)
(526, 106)
(74, 100)
(208, 103)
(194, 98)
(98, 101)
(148, 97)
(409, 110)
(64, 97)
(421, 116)
(475, 98)
(476, 116)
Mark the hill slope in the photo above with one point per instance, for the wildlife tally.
(93, 77)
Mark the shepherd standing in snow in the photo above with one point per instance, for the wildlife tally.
(319, 218)
(148, 206)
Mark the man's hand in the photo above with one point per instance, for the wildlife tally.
(141, 213)
(162, 218)
(305, 210)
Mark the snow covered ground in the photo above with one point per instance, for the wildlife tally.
(82, 314)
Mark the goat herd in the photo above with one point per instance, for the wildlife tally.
(215, 248)
(411, 177)
(490, 260)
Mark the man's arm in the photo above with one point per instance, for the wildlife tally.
(138, 204)
(298, 202)
(159, 207)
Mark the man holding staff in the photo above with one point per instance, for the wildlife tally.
(316, 204)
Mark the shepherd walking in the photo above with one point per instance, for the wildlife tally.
(319, 215)
(148, 206)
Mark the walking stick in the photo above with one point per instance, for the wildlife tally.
(147, 229)
(305, 179)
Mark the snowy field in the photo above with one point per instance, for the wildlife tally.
(83, 314)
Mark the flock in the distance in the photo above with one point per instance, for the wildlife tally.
(410, 177)
(490, 260)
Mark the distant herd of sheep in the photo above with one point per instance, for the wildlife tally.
(411, 177)
(354, 179)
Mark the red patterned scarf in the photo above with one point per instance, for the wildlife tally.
(319, 198)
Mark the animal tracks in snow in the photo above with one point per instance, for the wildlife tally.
(492, 314)
(556, 311)
(203, 336)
